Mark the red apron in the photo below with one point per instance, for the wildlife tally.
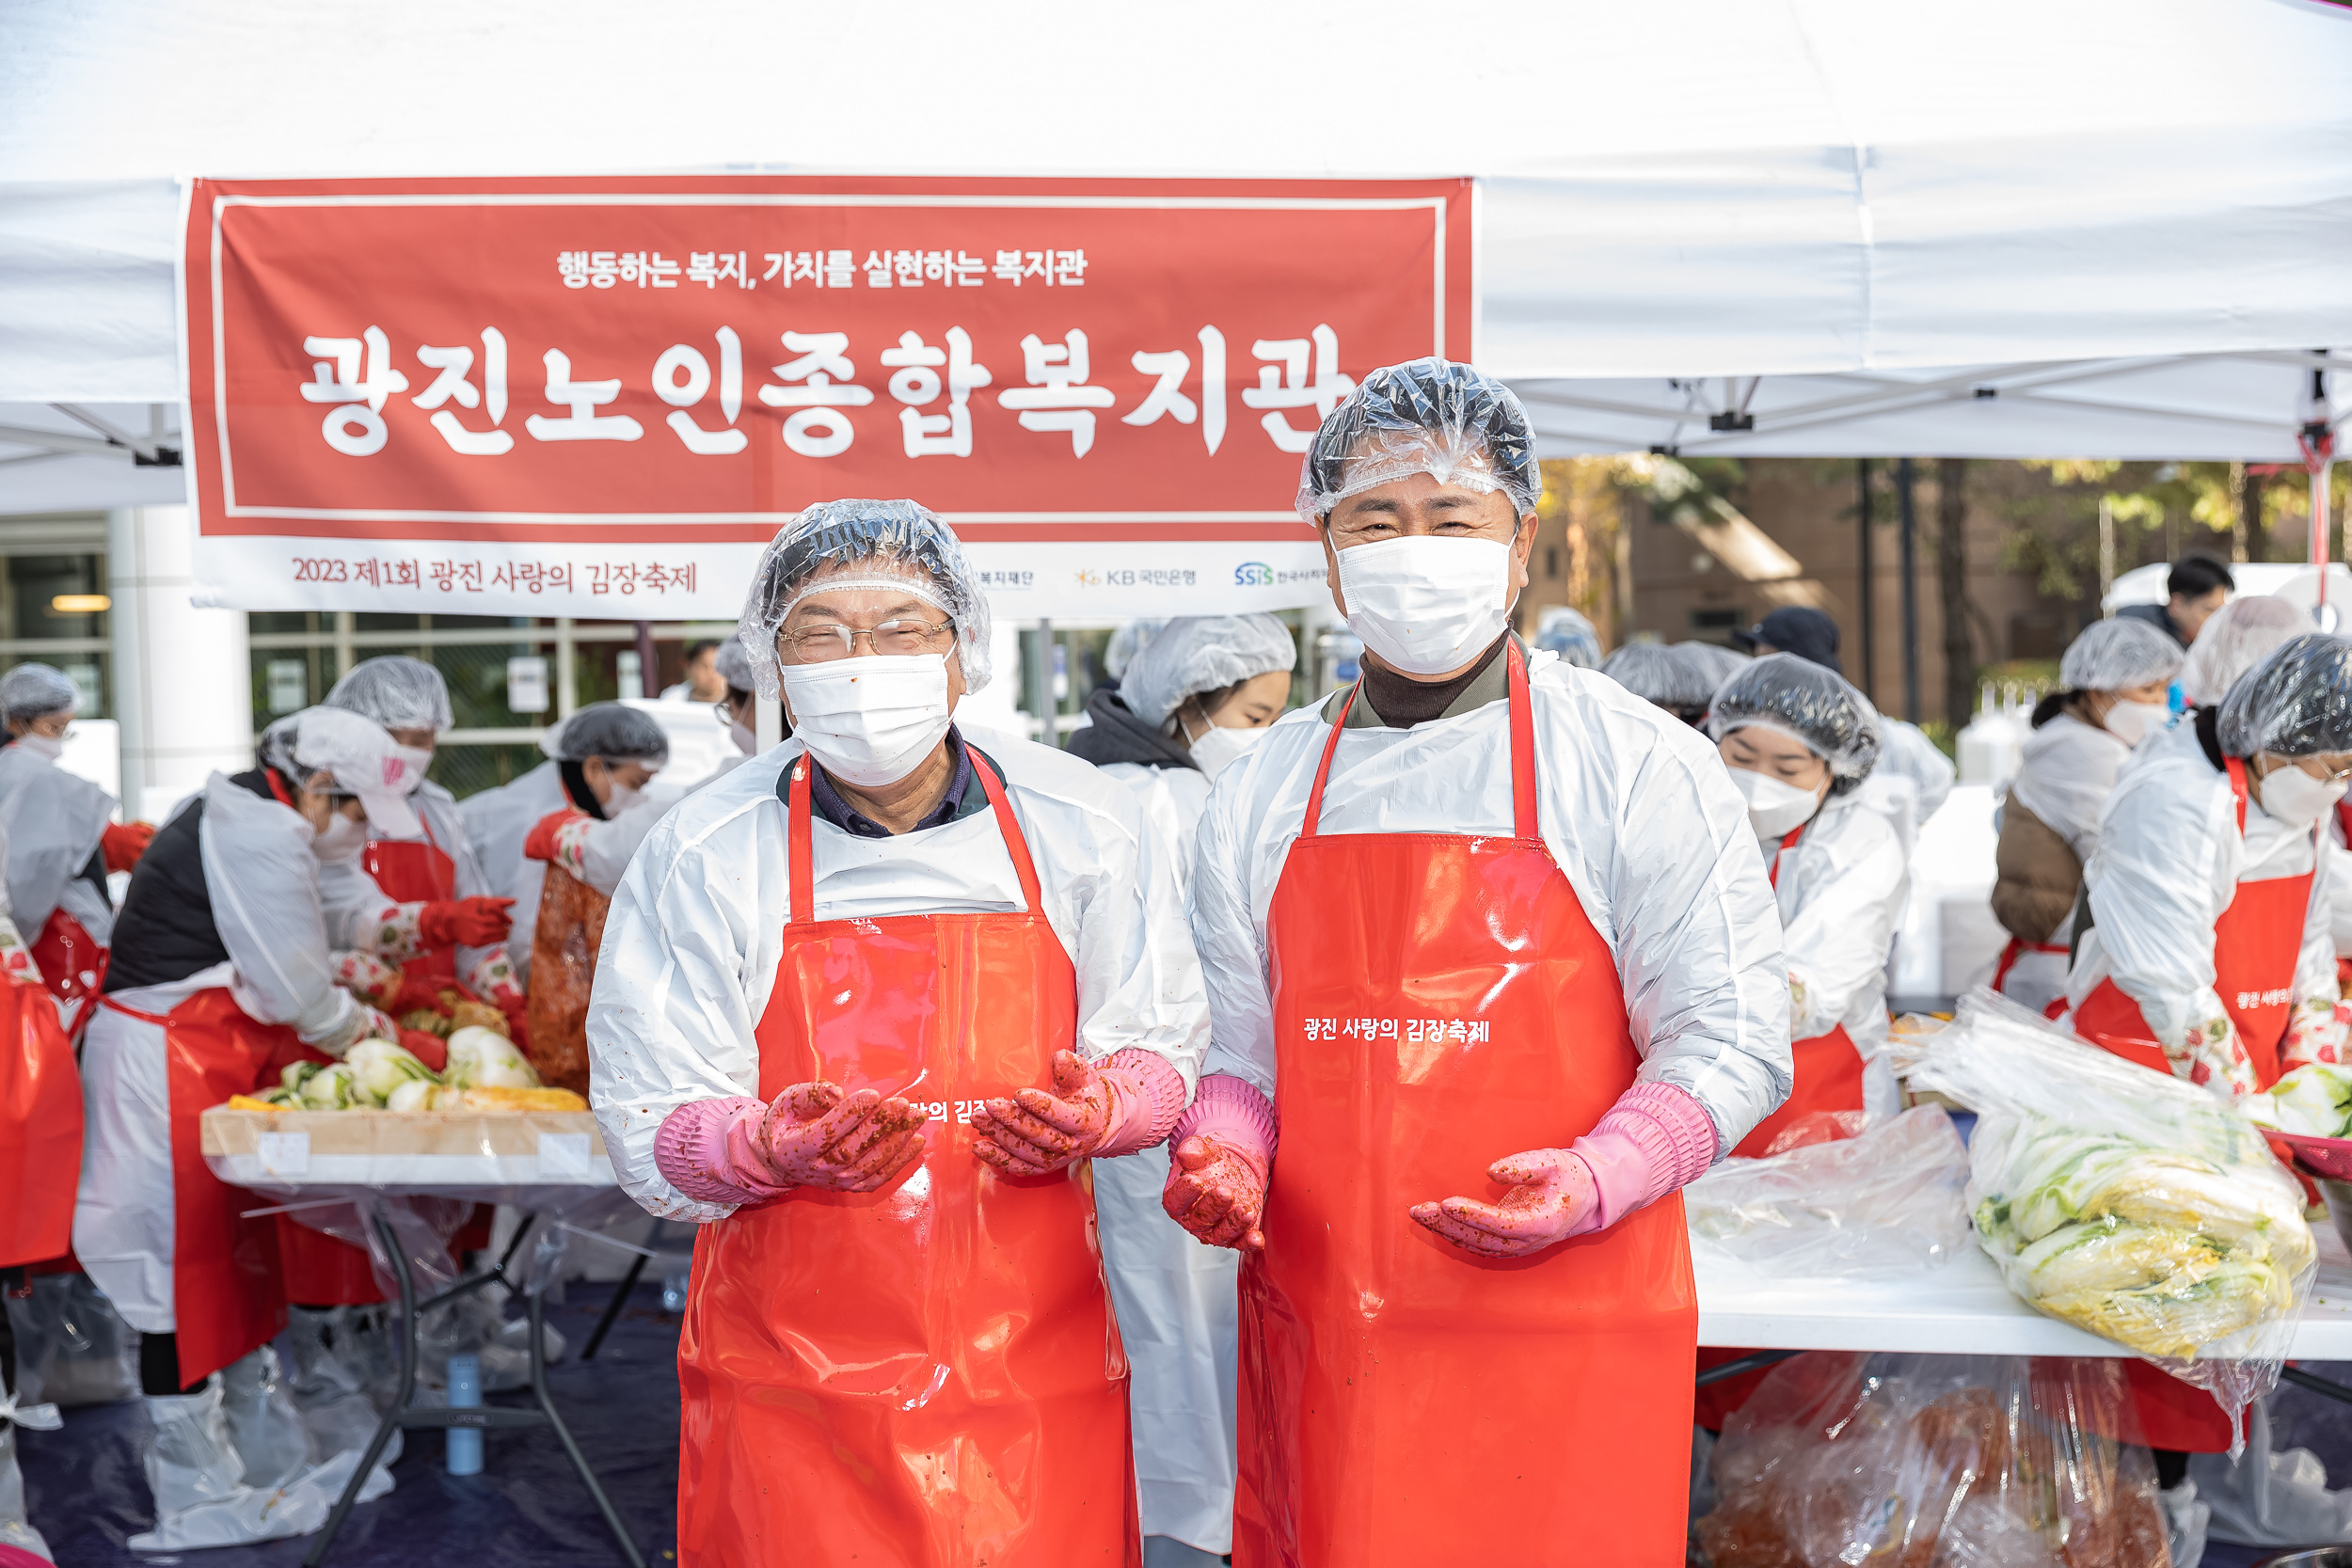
(72, 966)
(40, 1128)
(928, 1374)
(1441, 1000)
(415, 871)
(2256, 942)
(1828, 1070)
(224, 1268)
(2017, 948)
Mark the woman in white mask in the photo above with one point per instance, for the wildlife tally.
(1194, 700)
(2114, 683)
(62, 841)
(868, 1009)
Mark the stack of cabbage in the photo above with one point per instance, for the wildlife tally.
(2126, 1201)
(2314, 1101)
(484, 1073)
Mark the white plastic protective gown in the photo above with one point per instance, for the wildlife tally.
(2168, 861)
(695, 932)
(54, 822)
(1840, 890)
(1634, 805)
(263, 880)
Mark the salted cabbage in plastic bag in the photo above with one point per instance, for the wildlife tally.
(2125, 1201)
(1888, 1202)
(1906, 1461)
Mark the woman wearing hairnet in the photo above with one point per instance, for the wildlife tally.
(866, 1007)
(222, 975)
(600, 761)
(2113, 685)
(1494, 953)
(1567, 633)
(1677, 679)
(2209, 955)
(62, 841)
(421, 906)
(1194, 700)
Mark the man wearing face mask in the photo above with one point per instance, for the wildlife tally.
(62, 841)
(880, 960)
(222, 975)
(1192, 701)
(2114, 683)
(1498, 952)
(421, 904)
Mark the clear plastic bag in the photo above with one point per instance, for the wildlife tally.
(2125, 1201)
(71, 1348)
(563, 972)
(1935, 1462)
(1886, 1203)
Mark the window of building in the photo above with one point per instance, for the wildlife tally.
(53, 605)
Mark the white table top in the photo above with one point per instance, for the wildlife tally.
(1961, 1309)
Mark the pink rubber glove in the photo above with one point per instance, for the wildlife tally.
(1655, 1139)
(1217, 1175)
(1129, 1102)
(736, 1150)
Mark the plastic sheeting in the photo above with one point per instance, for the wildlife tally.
(71, 1348)
(1886, 1203)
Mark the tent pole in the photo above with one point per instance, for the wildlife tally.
(1865, 588)
(1911, 588)
(2320, 523)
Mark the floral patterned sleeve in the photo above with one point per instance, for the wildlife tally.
(2315, 1033)
(16, 959)
(366, 976)
(492, 978)
(2211, 1054)
(391, 934)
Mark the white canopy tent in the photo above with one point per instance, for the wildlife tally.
(2111, 227)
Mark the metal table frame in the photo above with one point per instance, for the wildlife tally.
(406, 1412)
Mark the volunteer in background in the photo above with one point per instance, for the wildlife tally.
(1676, 679)
(2232, 642)
(1567, 633)
(600, 761)
(62, 841)
(1195, 700)
(739, 710)
(2196, 589)
(1463, 926)
(1800, 742)
(2113, 694)
(422, 903)
(2209, 956)
(222, 975)
(704, 682)
(822, 977)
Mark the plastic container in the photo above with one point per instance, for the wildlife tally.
(465, 1393)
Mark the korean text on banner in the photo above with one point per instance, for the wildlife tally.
(598, 397)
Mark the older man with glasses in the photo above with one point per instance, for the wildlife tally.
(867, 1006)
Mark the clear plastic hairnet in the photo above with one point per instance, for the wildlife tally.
(1719, 661)
(1808, 702)
(1670, 677)
(397, 691)
(1426, 416)
(1127, 641)
(2112, 656)
(36, 691)
(609, 730)
(1567, 633)
(1204, 652)
(276, 748)
(2296, 703)
(2233, 641)
(734, 665)
(847, 541)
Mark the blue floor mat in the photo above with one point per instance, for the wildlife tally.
(526, 1510)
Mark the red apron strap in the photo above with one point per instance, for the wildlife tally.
(1788, 842)
(2237, 788)
(110, 1002)
(1323, 772)
(803, 908)
(1522, 747)
(278, 787)
(1010, 825)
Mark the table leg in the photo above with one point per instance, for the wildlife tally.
(1746, 1364)
(613, 1308)
(579, 1462)
(2326, 1387)
(391, 1421)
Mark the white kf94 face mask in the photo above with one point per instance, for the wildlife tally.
(2133, 722)
(1219, 749)
(1424, 603)
(2295, 797)
(1774, 808)
(340, 839)
(870, 721)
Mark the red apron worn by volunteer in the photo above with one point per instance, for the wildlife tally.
(2017, 948)
(1404, 1401)
(72, 966)
(2256, 945)
(225, 1293)
(415, 871)
(1829, 1068)
(928, 1374)
(40, 1128)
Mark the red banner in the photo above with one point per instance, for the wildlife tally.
(598, 397)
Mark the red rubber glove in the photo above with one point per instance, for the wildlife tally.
(415, 993)
(123, 843)
(821, 1135)
(430, 1049)
(540, 845)
(465, 922)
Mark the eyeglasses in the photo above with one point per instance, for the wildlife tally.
(820, 644)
